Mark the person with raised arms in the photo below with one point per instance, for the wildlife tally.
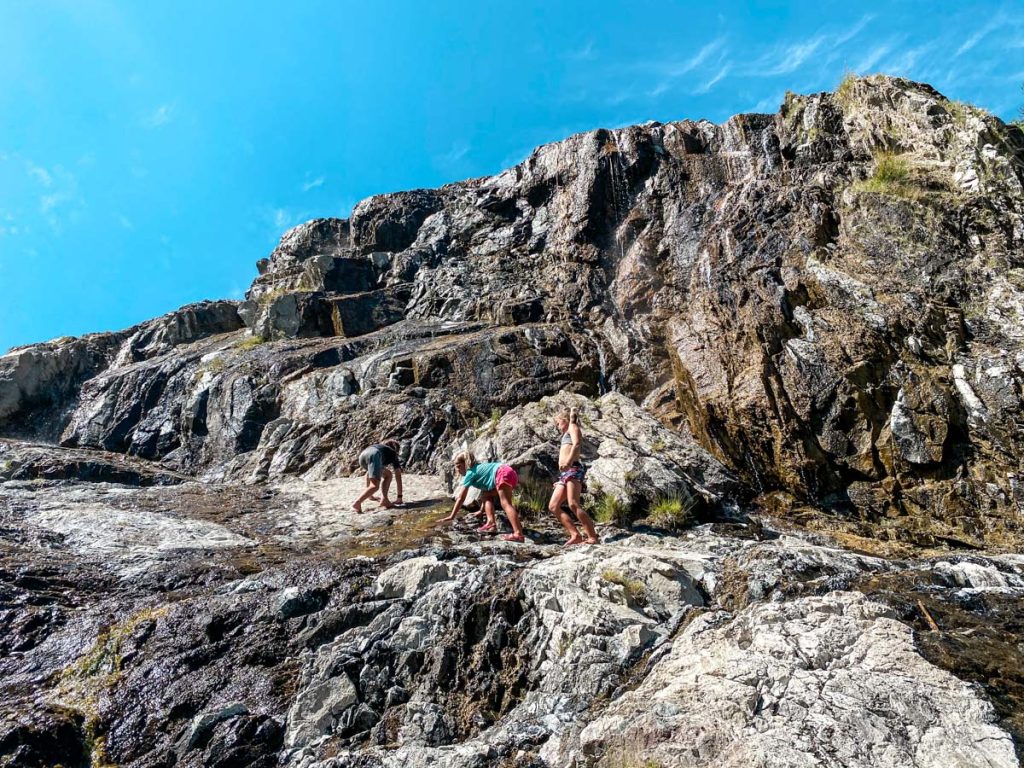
(571, 480)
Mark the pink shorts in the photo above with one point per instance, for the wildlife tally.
(506, 476)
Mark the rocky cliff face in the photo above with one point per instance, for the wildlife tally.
(828, 299)
(813, 317)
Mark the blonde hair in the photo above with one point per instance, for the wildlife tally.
(568, 415)
(465, 457)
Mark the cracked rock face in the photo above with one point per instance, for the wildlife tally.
(819, 333)
(188, 624)
(833, 679)
(755, 324)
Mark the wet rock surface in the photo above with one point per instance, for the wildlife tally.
(759, 331)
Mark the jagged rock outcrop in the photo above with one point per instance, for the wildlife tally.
(41, 382)
(824, 298)
(785, 324)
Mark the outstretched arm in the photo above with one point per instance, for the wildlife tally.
(459, 500)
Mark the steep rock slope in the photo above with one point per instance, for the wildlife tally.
(828, 299)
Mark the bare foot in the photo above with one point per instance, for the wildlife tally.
(518, 537)
(574, 541)
(591, 541)
(358, 508)
(387, 505)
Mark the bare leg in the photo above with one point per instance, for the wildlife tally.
(371, 488)
(487, 507)
(505, 496)
(574, 488)
(384, 501)
(372, 498)
(555, 505)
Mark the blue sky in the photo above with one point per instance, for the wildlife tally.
(151, 152)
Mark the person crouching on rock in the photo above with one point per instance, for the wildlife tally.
(495, 481)
(571, 480)
(374, 460)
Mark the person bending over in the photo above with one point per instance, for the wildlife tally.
(494, 481)
(571, 481)
(375, 460)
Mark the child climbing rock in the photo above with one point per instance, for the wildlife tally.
(495, 481)
(571, 480)
(374, 460)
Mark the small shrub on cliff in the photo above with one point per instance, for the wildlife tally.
(672, 512)
(608, 509)
(492, 425)
(892, 176)
(844, 93)
(891, 169)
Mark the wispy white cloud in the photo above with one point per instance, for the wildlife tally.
(769, 103)
(701, 56)
(48, 202)
(458, 151)
(280, 219)
(125, 222)
(62, 200)
(715, 79)
(871, 58)
(855, 30)
(673, 68)
(904, 61)
(979, 35)
(314, 183)
(8, 224)
(785, 59)
(160, 116)
(39, 173)
(584, 53)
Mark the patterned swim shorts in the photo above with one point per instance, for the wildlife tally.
(577, 473)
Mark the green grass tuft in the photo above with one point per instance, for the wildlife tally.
(672, 512)
(608, 509)
(532, 495)
(844, 93)
(892, 176)
(250, 342)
